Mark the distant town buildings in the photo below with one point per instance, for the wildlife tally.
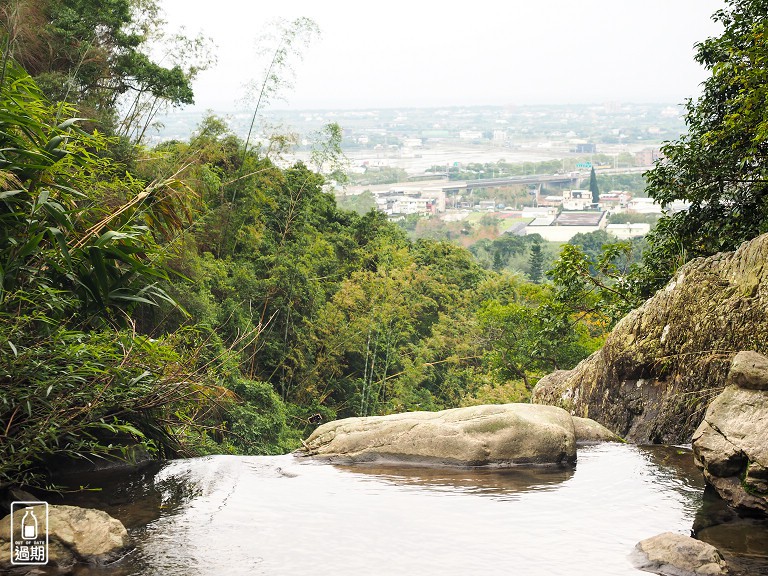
(585, 148)
(383, 139)
(403, 201)
(614, 201)
(405, 205)
(555, 218)
(499, 136)
(577, 199)
(629, 230)
(565, 226)
(470, 135)
(648, 156)
(560, 218)
(643, 206)
(413, 142)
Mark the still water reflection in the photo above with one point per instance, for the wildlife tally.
(282, 516)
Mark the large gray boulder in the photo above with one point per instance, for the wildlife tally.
(673, 554)
(731, 444)
(503, 435)
(590, 432)
(749, 369)
(653, 378)
(75, 536)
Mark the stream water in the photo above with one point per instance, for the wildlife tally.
(286, 516)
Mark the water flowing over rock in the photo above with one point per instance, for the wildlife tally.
(664, 362)
(502, 435)
(76, 536)
(673, 554)
(731, 444)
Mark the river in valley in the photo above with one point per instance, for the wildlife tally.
(279, 515)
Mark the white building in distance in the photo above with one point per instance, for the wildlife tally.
(567, 225)
(628, 230)
(577, 199)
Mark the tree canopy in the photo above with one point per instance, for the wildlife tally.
(207, 299)
(593, 187)
(719, 166)
(96, 54)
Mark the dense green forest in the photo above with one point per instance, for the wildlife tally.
(196, 298)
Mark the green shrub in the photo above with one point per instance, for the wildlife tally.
(256, 421)
(68, 393)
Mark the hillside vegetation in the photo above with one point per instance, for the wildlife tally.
(197, 298)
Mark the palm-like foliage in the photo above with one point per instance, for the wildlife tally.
(79, 249)
(55, 231)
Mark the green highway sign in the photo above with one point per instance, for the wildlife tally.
(584, 165)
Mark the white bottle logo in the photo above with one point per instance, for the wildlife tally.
(29, 525)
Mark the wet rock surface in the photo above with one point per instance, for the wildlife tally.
(588, 431)
(75, 535)
(506, 434)
(674, 554)
(731, 444)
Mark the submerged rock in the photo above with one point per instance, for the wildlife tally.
(673, 554)
(75, 535)
(662, 363)
(503, 435)
(731, 444)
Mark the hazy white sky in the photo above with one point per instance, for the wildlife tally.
(407, 53)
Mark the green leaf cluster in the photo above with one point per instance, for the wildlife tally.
(99, 56)
(719, 166)
(209, 300)
(339, 312)
(80, 252)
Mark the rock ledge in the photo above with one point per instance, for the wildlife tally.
(654, 376)
(490, 435)
(730, 444)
